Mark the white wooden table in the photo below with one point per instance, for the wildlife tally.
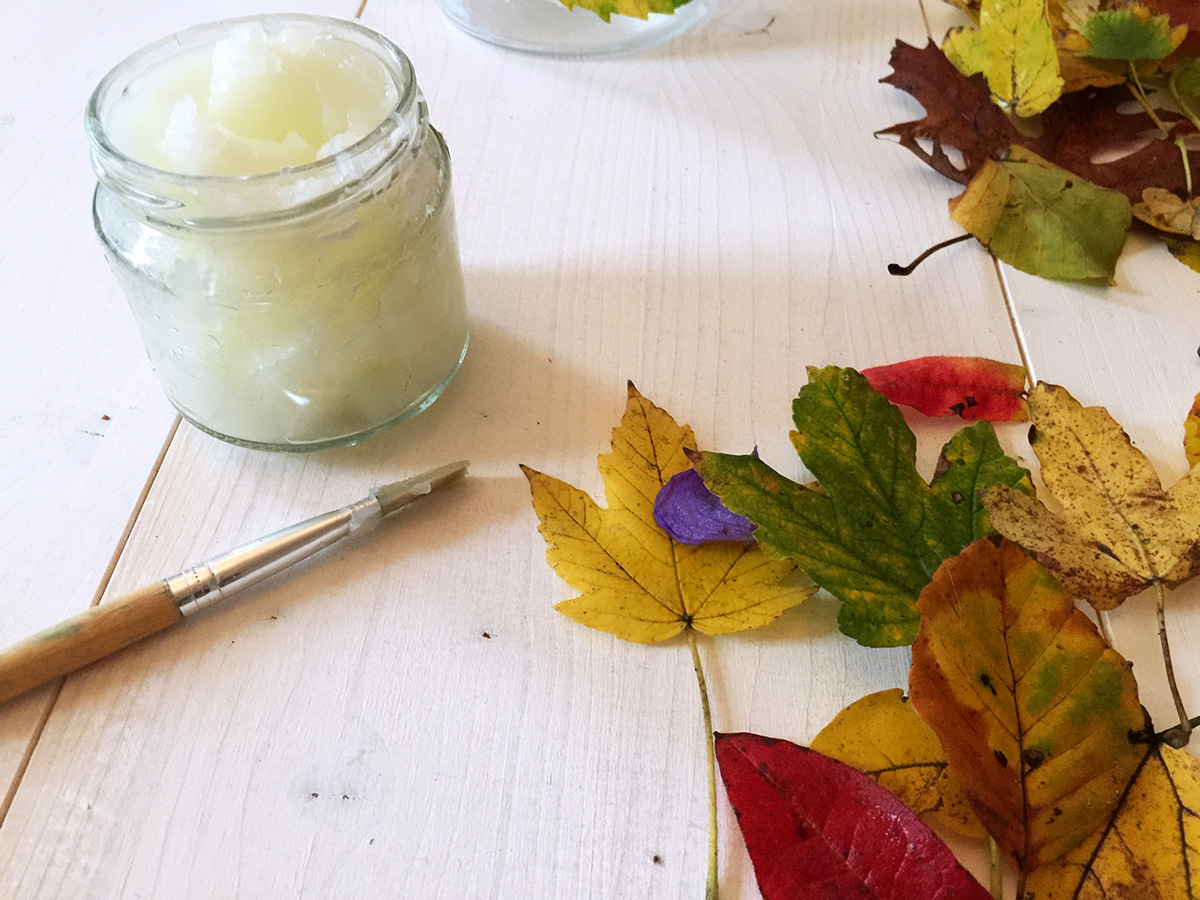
(409, 717)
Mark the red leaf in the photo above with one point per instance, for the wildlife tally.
(815, 827)
(970, 387)
(1081, 127)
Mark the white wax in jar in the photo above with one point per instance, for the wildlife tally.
(250, 103)
(312, 328)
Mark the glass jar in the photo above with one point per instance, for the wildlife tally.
(296, 309)
(548, 28)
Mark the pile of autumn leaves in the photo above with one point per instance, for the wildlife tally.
(1071, 118)
(1022, 723)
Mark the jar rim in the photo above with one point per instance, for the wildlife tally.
(110, 162)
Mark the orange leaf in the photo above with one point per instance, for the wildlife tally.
(1032, 708)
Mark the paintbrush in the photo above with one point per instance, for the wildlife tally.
(115, 624)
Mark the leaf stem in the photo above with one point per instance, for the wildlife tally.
(1187, 166)
(996, 870)
(710, 887)
(1139, 94)
(1185, 725)
(897, 269)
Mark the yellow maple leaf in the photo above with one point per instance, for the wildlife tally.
(636, 582)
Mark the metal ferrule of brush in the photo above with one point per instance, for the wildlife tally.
(214, 580)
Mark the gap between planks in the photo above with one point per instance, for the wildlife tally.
(102, 586)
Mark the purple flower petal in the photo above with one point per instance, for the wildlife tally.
(692, 514)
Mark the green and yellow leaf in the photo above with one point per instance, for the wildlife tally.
(1033, 710)
(875, 531)
(881, 736)
(1043, 220)
(636, 582)
(1132, 33)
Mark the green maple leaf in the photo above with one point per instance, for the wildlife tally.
(1044, 220)
(638, 9)
(874, 532)
(1121, 34)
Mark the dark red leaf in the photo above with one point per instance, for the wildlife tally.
(1085, 132)
(816, 828)
(970, 387)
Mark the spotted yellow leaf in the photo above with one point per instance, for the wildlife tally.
(1119, 531)
(1149, 849)
(635, 581)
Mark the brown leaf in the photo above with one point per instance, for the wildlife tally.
(1079, 129)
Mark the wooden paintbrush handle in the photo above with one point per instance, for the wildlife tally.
(87, 637)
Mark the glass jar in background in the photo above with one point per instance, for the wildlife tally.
(296, 309)
(548, 28)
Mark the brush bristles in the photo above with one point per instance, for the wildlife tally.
(393, 496)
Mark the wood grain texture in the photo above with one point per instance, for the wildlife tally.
(408, 716)
(84, 638)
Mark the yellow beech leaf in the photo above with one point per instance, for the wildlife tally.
(1014, 50)
(1191, 433)
(1034, 711)
(1148, 850)
(1119, 531)
(882, 737)
(635, 581)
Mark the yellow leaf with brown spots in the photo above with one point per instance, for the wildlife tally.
(1119, 531)
(1149, 849)
(636, 582)
(882, 737)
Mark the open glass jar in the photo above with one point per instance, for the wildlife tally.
(548, 28)
(301, 308)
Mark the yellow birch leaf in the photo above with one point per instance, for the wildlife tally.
(1014, 49)
(1191, 433)
(635, 581)
(1148, 850)
(1119, 531)
(883, 737)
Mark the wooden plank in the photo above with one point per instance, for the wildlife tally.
(410, 717)
(83, 416)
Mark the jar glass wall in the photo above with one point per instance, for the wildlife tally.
(548, 28)
(296, 309)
